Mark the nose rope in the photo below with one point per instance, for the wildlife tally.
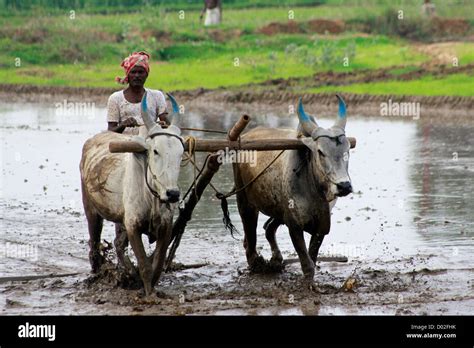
(153, 192)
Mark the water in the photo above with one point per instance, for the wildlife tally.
(412, 209)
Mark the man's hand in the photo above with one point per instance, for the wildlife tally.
(129, 122)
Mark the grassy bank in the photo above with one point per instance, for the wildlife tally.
(230, 65)
(86, 50)
(452, 85)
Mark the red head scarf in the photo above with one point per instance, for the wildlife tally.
(133, 60)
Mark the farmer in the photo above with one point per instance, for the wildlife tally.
(428, 9)
(123, 107)
(213, 10)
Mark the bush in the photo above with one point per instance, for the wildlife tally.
(413, 28)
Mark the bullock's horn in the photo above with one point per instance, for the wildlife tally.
(307, 124)
(341, 118)
(175, 106)
(145, 114)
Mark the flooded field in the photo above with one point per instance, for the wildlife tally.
(407, 230)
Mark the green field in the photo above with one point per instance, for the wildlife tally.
(452, 85)
(55, 49)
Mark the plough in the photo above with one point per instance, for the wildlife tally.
(212, 165)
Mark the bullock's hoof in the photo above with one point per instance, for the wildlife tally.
(96, 260)
(129, 271)
(143, 299)
(258, 265)
(276, 264)
(129, 281)
(311, 285)
(149, 291)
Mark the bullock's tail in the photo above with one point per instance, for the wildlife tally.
(225, 211)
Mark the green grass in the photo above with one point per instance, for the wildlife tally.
(344, 9)
(452, 85)
(93, 38)
(27, 7)
(87, 51)
(194, 65)
(402, 71)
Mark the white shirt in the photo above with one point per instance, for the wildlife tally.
(119, 109)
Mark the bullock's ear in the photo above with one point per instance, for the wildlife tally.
(173, 129)
(309, 142)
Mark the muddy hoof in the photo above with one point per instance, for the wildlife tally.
(146, 299)
(131, 272)
(276, 265)
(311, 285)
(258, 265)
(129, 281)
(96, 261)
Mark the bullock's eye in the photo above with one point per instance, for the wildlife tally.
(321, 153)
(156, 152)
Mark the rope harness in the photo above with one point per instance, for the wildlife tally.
(190, 157)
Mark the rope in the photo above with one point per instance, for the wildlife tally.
(153, 192)
(191, 158)
(234, 191)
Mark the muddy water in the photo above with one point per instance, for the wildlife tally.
(408, 229)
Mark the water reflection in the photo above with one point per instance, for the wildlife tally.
(442, 173)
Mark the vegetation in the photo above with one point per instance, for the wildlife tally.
(451, 85)
(43, 43)
(120, 6)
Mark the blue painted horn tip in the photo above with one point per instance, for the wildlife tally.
(300, 104)
(174, 103)
(301, 113)
(342, 106)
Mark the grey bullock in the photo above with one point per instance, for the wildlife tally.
(298, 190)
(137, 190)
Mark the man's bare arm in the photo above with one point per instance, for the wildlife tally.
(119, 128)
(114, 127)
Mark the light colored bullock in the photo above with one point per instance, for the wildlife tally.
(137, 190)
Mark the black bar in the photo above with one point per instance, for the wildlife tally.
(291, 331)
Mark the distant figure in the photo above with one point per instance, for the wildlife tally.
(428, 9)
(213, 10)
